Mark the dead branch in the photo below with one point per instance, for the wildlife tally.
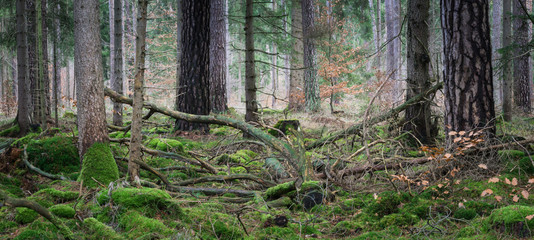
(225, 178)
(37, 170)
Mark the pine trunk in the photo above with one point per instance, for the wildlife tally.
(506, 61)
(522, 92)
(296, 75)
(311, 87)
(23, 115)
(496, 43)
(117, 59)
(251, 114)
(393, 47)
(218, 98)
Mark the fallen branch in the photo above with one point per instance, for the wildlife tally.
(207, 191)
(146, 167)
(17, 202)
(37, 170)
(356, 128)
(225, 178)
(180, 168)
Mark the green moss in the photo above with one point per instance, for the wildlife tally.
(275, 233)
(98, 230)
(512, 217)
(30, 234)
(465, 213)
(7, 226)
(62, 210)
(506, 155)
(98, 163)
(225, 231)
(481, 208)
(10, 132)
(25, 140)
(120, 134)
(387, 203)
(11, 185)
(136, 225)
(344, 228)
(55, 195)
(526, 165)
(55, 154)
(279, 189)
(166, 145)
(398, 219)
(139, 197)
(371, 236)
(284, 126)
(220, 131)
(25, 215)
(69, 114)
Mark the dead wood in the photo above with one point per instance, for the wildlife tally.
(146, 167)
(38, 170)
(225, 178)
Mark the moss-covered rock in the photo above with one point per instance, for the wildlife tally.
(62, 210)
(98, 163)
(55, 154)
(136, 225)
(278, 190)
(98, 230)
(29, 234)
(25, 215)
(166, 145)
(512, 219)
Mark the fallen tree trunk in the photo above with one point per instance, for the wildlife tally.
(207, 191)
(224, 178)
(356, 128)
(294, 158)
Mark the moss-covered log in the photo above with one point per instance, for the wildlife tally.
(356, 128)
(225, 178)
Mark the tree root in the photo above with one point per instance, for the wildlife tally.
(37, 170)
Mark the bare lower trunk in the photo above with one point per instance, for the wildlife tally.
(507, 67)
(496, 43)
(296, 81)
(218, 98)
(117, 59)
(23, 115)
(522, 92)
(311, 87)
(250, 73)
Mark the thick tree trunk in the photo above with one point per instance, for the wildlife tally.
(522, 91)
(467, 66)
(418, 116)
(251, 104)
(218, 98)
(496, 43)
(296, 76)
(117, 59)
(23, 115)
(311, 87)
(506, 61)
(193, 92)
(88, 73)
(137, 121)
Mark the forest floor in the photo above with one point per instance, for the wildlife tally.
(467, 191)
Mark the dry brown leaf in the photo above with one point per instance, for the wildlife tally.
(483, 166)
(493, 180)
(515, 198)
(486, 192)
(457, 139)
(440, 185)
(514, 182)
(498, 198)
(461, 205)
(525, 194)
(461, 133)
(507, 181)
(529, 217)
(452, 133)
(447, 155)
(531, 180)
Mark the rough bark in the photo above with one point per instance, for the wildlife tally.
(418, 116)
(44, 79)
(522, 91)
(296, 75)
(506, 61)
(251, 104)
(23, 114)
(311, 88)
(32, 60)
(57, 62)
(117, 59)
(89, 75)
(137, 121)
(193, 88)
(496, 44)
(467, 69)
(217, 68)
(393, 48)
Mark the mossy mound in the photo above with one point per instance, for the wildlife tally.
(512, 219)
(465, 213)
(275, 233)
(139, 197)
(120, 135)
(62, 210)
(10, 132)
(98, 163)
(98, 230)
(7, 226)
(506, 155)
(220, 131)
(243, 156)
(11, 185)
(29, 234)
(225, 231)
(526, 164)
(25, 215)
(345, 228)
(387, 203)
(57, 196)
(57, 154)
(166, 145)
(136, 225)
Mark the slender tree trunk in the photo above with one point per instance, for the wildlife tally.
(251, 114)
(32, 60)
(23, 114)
(218, 98)
(43, 68)
(418, 116)
(311, 87)
(89, 77)
(507, 66)
(467, 66)
(393, 47)
(137, 120)
(117, 59)
(57, 67)
(522, 92)
(296, 75)
(179, 26)
(496, 43)
(193, 92)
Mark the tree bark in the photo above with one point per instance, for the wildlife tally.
(251, 104)
(496, 43)
(32, 60)
(393, 47)
(418, 116)
(137, 121)
(522, 91)
(311, 88)
(57, 68)
(467, 66)
(23, 103)
(506, 59)
(116, 58)
(44, 74)
(217, 68)
(296, 75)
(89, 75)
(193, 92)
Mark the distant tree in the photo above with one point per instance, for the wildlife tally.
(393, 57)
(296, 75)
(56, 61)
(311, 86)
(116, 60)
(217, 69)
(193, 88)
(522, 78)
(23, 114)
(496, 44)
(251, 104)
(507, 66)
(467, 69)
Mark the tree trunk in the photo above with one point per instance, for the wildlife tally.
(522, 92)
(137, 120)
(496, 43)
(57, 67)
(217, 68)
(467, 66)
(23, 114)
(32, 61)
(507, 66)
(311, 87)
(193, 88)
(418, 116)
(296, 76)
(116, 58)
(43, 65)
(393, 47)
(88, 73)
(251, 105)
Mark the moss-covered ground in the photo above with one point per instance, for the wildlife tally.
(432, 201)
